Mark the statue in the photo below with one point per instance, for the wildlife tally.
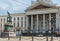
(9, 21)
(8, 27)
(9, 18)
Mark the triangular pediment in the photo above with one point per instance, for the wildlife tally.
(40, 7)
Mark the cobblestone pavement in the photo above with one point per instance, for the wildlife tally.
(30, 39)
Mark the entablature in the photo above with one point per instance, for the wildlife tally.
(42, 11)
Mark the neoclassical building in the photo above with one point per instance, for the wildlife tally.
(18, 21)
(41, 16)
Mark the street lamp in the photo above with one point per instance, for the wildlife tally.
(47, 36)
(51, 34)
(52, 28)
(20, 35)
(29, 29)
(52, 21)
(47, 31)
(32, 36)
(19, 30)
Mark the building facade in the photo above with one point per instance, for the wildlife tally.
(18, 21)
(41, 16)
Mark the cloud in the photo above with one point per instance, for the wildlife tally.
(4, 6)
(14, 6)
(56, 2)
(9, 5)
(18, 6)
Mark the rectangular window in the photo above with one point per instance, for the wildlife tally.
(18, 18)
(21, 23)
(4, 20)
(21, 18)
(17, 24)
(1, 20)
(14, 24)
(1, 25)
(14, 18)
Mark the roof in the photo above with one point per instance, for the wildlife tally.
(41, 3)
(13, 14)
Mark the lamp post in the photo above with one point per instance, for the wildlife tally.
(52, 28)
(51, 34)
(19, 30)
(32, 36)
(47, 36)
(29, 29)
(19, 34)
(47, 33)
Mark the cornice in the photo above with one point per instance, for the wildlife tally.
(16, 14)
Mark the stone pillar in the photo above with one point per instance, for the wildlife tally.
(31, 22)
(37, 22)
(23, 23)
(57, 22)
(50, 21)
(44, 22)
(26, 23)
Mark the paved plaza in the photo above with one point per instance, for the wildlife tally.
(30, 39)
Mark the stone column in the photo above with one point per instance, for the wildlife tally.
(49, 21)
(37, 22)
(57, 22)
(44, 22)
(26, 23)
(31, 22)
(23, 23)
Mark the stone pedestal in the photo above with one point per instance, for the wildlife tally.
(8, 30)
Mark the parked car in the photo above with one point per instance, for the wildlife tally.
(40, 35)
(57, 34)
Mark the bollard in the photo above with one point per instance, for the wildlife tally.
(47, 38)
(19, 38)
(8, 37)
(32, 38)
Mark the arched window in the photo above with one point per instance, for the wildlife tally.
(21, 23)
(17, 18)
(18, 24)
(21, 18)
(14, 24)
(14, 18)
(1, 20)
(4, 19)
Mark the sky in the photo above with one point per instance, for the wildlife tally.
(16, 6)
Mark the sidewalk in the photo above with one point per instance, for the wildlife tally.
(30, 39)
